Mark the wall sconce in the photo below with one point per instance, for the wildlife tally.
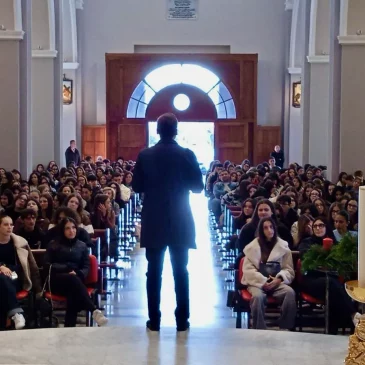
(2, 27)
(297, 94)
(67, 90)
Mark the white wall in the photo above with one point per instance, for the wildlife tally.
(42, 110)
(69, 114)
(40, 24)
(319, 114)
(295, 128)
(249, 26)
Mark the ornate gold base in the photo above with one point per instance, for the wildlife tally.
(356, 354)
(356, 293)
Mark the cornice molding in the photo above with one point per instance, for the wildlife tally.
(40, 53)
(71, 65)
(318, 59)
(11, 35)
(295, 70)
(350, 40)
(289, 5)
(79, 4)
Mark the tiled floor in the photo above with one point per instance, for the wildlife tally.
(127, 305)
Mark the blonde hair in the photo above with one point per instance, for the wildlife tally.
(109, 189)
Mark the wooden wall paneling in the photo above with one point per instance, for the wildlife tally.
(237, 71)
(94, 141)
(248, 93)
(231, 141)
(132, 138)
(114, 91)
(266, 137)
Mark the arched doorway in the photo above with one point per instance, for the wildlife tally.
(221, 89)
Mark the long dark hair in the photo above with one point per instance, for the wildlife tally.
(303, 222)
(10, 197)
(255, 216)
(49, 211)
(260, 231)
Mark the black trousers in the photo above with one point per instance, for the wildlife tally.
(341, 307)
(179, 260)
(9, 305)
(78, 299)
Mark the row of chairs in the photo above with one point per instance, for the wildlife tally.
(311, 311)
(100, 270)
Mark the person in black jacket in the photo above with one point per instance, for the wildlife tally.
(68, 261)
(278, 154)
(54, 232)
(72, 154)
(340, 306)
(264, 209)
(290, 215)
(166, 173)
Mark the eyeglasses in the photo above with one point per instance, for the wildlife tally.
(319, 205)
(335, 211)
(352, 205)
(319, 226)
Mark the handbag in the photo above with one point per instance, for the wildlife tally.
(270, 268)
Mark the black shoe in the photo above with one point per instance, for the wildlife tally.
(184, 326)
(152, 326)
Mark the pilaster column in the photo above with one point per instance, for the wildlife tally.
(306, 80)
(15, 137)
(333, 164)
(25, 100)
(59, 144)
(352, 131)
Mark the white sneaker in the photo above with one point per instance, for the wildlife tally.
(356, 318)
(19, 321)
(99, 318)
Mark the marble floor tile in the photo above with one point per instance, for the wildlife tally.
(134, 345)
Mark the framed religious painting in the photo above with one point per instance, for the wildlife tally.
(297, 94)
(67, 91)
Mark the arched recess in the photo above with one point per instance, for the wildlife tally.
(180, 75)
(131, 97)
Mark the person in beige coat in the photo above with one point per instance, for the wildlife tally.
(268, 247)
(18, 271)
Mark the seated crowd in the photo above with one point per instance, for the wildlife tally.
(284, 210)
(58, 210)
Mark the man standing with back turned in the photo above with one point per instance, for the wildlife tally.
(165, 174)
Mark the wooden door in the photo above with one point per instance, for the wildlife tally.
(231, 141)
(132, 138)
(94, 141)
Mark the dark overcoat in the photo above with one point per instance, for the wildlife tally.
(165, 173)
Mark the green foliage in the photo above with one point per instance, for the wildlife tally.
(342, 258)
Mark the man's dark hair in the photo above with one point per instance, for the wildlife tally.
(88, 187)
(92, 177)
(28, 213)
(283, 199)
(72, 141)
(167, 125)
(88, 158)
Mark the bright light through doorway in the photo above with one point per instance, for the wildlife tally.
(197, 136)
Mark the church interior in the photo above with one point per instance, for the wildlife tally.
(266, 93)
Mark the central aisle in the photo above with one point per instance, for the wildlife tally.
(127, 305)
